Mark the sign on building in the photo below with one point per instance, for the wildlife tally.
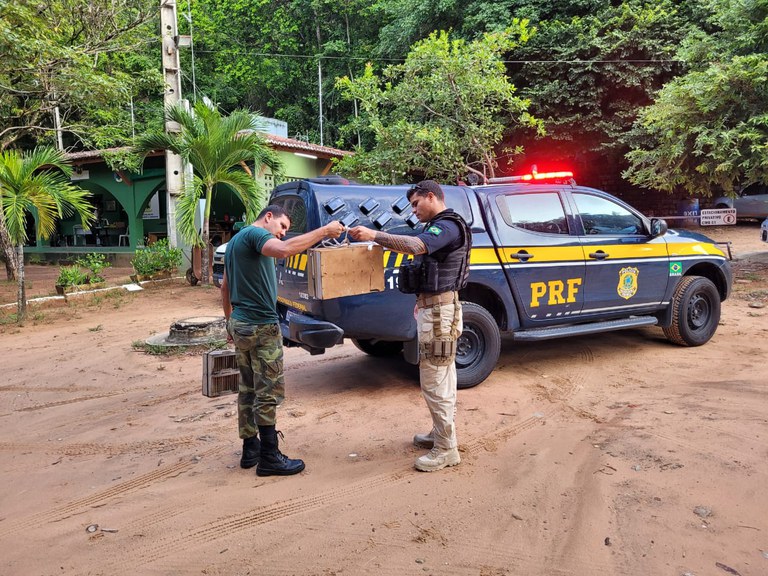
(718, 217)
(152, 211)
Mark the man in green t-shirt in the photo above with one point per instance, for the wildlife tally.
(249, 299)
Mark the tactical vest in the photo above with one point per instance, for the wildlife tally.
(445, 270)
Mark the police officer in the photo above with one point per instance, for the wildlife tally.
(249, 299)
(439, 270)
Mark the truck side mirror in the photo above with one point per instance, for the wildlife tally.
(658, 227)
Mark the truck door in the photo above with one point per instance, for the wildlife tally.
(542, 260)
(626, 269)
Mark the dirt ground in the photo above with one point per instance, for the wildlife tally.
(616, 454)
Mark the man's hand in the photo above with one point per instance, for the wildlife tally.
(333, 229)
(362, 233)
(397, 242)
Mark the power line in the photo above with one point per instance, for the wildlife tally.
(378, 59)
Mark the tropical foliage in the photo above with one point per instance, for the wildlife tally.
(679, 82)
(37, 182)
(219, 149)
(708, 129)
(90, 61)
(442, 112)
(157, 257)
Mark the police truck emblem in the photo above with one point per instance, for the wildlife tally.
(627, 282)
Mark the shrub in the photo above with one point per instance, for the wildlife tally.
(95, 263)
(158, 257)
(71, 276)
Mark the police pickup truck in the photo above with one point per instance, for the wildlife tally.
(549, 259)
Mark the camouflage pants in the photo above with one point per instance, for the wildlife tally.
(259, 351)
(439, 327)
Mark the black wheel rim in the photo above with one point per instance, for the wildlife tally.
(469, 346)
(699, 311)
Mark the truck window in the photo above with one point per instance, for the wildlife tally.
(537, 212)
(603, 216)
(297, 212)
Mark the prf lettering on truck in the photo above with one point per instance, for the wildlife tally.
(555, 288)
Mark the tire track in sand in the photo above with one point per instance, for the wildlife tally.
(100, 498)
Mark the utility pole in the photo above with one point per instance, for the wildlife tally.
(174, 177)
(320, 94)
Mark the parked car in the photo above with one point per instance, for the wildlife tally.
(549, 259)
(752, 202)
(764, 230)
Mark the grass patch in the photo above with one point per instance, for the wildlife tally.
(7, 318)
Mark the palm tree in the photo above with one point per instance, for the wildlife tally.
(39, 181)
(218, 147)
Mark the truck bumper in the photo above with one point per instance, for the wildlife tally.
(309, 333)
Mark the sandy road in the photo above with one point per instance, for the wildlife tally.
(582, 456)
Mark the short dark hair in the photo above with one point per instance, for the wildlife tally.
(276, 210)
(425, 187)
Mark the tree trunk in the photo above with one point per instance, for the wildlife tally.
(205, 264)
(9, 250)
(22, 293)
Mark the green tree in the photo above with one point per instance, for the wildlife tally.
(441, 112)
(264, 55)
(37, 182)
(219, 148)
(589, 70)
(94, 64)
(86, 60)
(708, 129)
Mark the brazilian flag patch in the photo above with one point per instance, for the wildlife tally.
(675, 268)
(434, 230)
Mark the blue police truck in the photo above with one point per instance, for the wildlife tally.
(549, 259)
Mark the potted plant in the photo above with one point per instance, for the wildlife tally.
(70, 278)
(73, 277)
(95, 263)
(156, 261)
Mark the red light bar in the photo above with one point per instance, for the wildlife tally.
(546, 175)
(533, 176)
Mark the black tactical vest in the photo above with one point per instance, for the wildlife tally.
(445, 270)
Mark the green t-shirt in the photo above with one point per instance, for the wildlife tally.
(251, 277)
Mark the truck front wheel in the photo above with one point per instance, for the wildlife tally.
(479, 345)
(695, 312)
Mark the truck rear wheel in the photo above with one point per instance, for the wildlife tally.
(478, 348)
(695, 312)
(378, 348)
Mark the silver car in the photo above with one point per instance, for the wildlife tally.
(752, 202)
(764, 230)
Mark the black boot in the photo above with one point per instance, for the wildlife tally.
(251, 452)
(272, 461)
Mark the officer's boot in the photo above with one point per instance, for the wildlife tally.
(425, 440)
(272, 462)
(251, 451)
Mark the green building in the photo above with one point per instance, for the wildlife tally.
(131, 208)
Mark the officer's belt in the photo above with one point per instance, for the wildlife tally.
(427, 300)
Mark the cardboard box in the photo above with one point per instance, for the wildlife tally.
(345, 270)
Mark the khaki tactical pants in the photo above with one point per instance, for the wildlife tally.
(259, 353)
(439, 323)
